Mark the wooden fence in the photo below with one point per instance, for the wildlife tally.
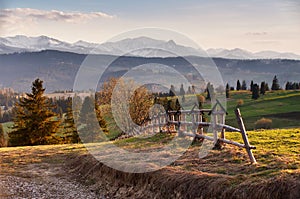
(192, 123)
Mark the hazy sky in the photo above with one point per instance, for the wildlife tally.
(254, 25)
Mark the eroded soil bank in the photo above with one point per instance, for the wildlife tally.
(69, 171)
(173, 183)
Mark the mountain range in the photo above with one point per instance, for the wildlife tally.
(59, 69)
(141, 47)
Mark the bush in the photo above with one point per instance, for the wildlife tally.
(263, 123)
(240, 102)
(201, 98)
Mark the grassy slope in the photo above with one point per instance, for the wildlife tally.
(277, 151)
(272, 106)
(282, 107)
(277, 154)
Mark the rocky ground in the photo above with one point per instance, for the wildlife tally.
(24, 173)
(47, 187)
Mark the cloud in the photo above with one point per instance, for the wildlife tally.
(19, 14)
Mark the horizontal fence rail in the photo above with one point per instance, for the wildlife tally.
(192, 122)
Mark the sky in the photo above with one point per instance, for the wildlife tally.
(254, 25)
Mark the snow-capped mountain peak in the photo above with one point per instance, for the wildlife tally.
(140, 46)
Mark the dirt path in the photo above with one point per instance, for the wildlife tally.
(36, 174)
(16, 187)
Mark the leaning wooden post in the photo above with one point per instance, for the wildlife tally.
(223, 129)
(244, 134)
(183, 119)
(200, 119)
(214, 126)
(168, 121)
(194, 120)
(159, 122)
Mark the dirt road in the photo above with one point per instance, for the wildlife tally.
(33, 173)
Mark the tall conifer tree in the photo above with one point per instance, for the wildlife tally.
(275, 84)
(35, 123)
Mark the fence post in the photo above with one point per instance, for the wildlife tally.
(214, 126)
(244, 135)
(223, 129)
(183, 119)
(200, 119)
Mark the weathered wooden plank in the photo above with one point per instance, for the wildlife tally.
(244, 135)
(222, 140)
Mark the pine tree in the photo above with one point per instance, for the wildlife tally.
(90, 130)
(227, 91)
(275, 84)
(181, 92)
(263, 88)
(35, 123)
(2, 138)
(210, 91)
(255, 91)
(88, 106)
(251, 86)
(172, 91)
(70, 130)
(101, 120)
(288, 86)
(244, 85)
(238, 85)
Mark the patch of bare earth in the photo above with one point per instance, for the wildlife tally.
(39, 172)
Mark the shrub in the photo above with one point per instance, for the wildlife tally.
(263, 123)
(240, 102)
(201, 98)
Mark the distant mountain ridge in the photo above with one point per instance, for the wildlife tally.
(59, 69)
(147, 47)
(244, 54)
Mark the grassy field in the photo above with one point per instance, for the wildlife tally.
(282, 107)
(277, 152)
(227, 170)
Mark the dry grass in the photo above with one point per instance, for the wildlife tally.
(226, 173)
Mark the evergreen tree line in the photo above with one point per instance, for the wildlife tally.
(174, 92)
(292, 86)
(191, 90)
(39, 120)
(264, 85)
(257, 89)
